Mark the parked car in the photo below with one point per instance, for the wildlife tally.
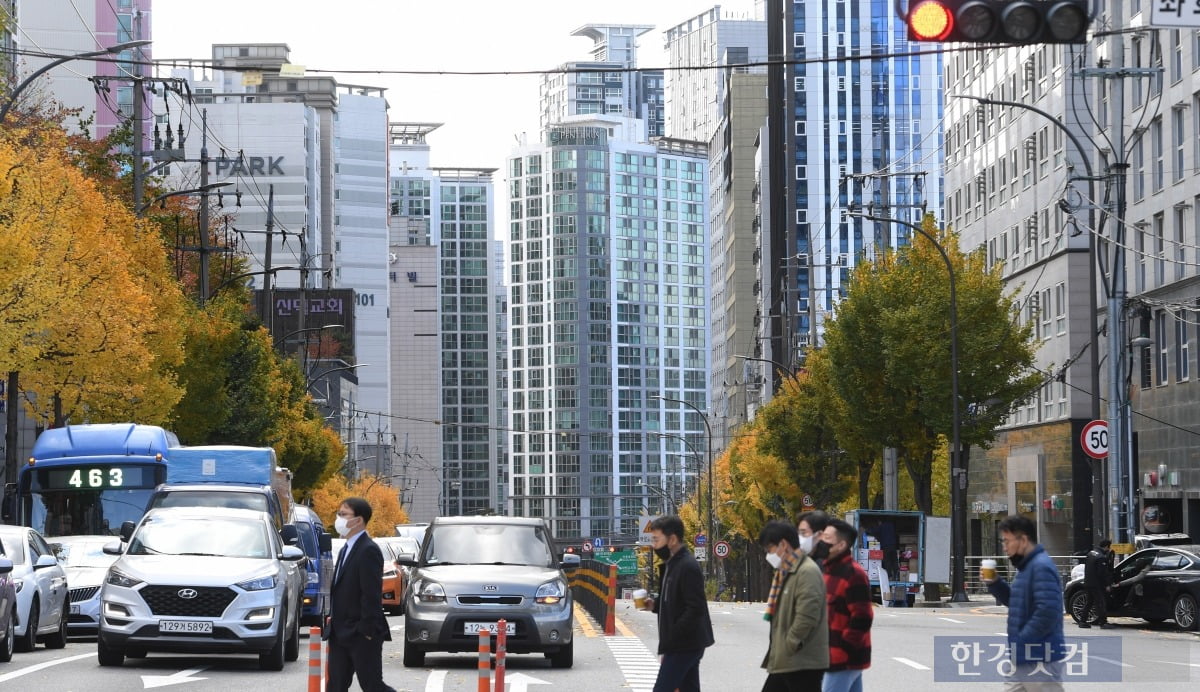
(318, 567)
(86, 564)
(8, 609)
(1169, 588)
(41, 589)
(202, 580)
(401, 545)
(392, 592)
(1150, 540)
(473, 572)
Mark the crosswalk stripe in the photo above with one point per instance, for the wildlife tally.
(637, 663)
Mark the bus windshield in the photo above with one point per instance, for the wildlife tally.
(90, 499)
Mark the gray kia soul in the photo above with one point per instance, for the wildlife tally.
(473, 572)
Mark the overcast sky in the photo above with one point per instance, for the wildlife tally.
(481, 113)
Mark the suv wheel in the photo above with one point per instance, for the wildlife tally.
(564, 657)
(29, 641)
(413, 657)
(273, 659)
(1185, 612)
(10, 633)
(107, 655)
(291, 648)
(58, 640)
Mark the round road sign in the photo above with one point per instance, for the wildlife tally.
(587, 546)
(721, 549)
(1094, 439)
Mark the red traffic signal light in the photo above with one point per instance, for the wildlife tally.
(1003, 22)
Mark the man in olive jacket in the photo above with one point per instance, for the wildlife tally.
(684, 627)
(798, 653)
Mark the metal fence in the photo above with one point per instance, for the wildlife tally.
(1004, 568)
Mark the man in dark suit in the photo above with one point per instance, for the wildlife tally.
(357, 628)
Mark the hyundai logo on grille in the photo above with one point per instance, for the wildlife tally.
(490, 587)
(188, 593)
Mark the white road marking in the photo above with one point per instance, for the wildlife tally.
(637, 663)
(152, 681)
(1174, 663)
(1000, 634)
(1109, 660)
(436, 681)
(42, 666)
(957, 622)
(910, 663)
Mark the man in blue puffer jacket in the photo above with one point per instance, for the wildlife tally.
(1035, 610)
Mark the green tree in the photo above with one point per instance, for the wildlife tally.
(889, 349)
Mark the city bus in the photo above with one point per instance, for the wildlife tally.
(85, 480)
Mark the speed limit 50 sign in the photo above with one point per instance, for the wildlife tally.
(1094, 439)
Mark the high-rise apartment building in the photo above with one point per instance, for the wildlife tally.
(849, 132)
(606, 84)
(608, 306)
(446, 297)
(67, 27)
(708, 40)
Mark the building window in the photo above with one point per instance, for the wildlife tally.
(1178, 140)
(1182, 347)
(1160, 339)
(1156, 143)
(1180, 247)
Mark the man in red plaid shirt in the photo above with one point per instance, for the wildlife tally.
(848, 596)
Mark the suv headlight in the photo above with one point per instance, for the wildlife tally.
(314, 578)
(551, 592)
(427, 591)
(118, 578)
(266, 581)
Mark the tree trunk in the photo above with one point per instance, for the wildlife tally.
(10, 431)
(864, 483)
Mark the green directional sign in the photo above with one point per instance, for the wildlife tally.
(625, 560)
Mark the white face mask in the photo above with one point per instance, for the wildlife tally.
(340, 525)
(806, 543)
(774, 560)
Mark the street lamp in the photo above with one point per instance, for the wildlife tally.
(708, 429)
(776, 363)
(67, 58)
(282, 343)
(659, 491)
(958, 479)
(691, 449)
(1098, 489)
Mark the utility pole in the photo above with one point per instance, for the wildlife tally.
(268, 312)
(138, 128)
(204, 248)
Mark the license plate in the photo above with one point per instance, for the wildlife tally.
(185, 626)
(477, 627)
(74, 610)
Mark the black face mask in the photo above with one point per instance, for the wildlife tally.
(820, 550)
(663, 553)
(1017, 560)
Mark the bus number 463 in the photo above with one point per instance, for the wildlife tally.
(95, 478)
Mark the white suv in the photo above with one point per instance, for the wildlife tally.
(202, 580)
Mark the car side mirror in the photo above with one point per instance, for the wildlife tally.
(291, 553)
(290, 534)
(127, 530)
(406, 559)
(325, 542)
(569, 561)
(45, 561)
(6, 565)
(112, 548)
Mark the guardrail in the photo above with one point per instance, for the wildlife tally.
(1004, 568)
(594, 586)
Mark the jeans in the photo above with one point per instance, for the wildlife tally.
(842, 681)
(679, 671)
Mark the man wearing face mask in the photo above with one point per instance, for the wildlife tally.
(810, 526)
(798, 653)
(1035, 609)
(848, 597)
(356, 627)
(684, 627)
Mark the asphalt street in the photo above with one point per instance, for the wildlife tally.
(912, 651)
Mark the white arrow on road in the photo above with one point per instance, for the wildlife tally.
(150, 681)
(520, 682)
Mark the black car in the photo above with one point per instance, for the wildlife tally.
(1156, 584)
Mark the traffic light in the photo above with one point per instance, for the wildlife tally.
(1003, 22)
